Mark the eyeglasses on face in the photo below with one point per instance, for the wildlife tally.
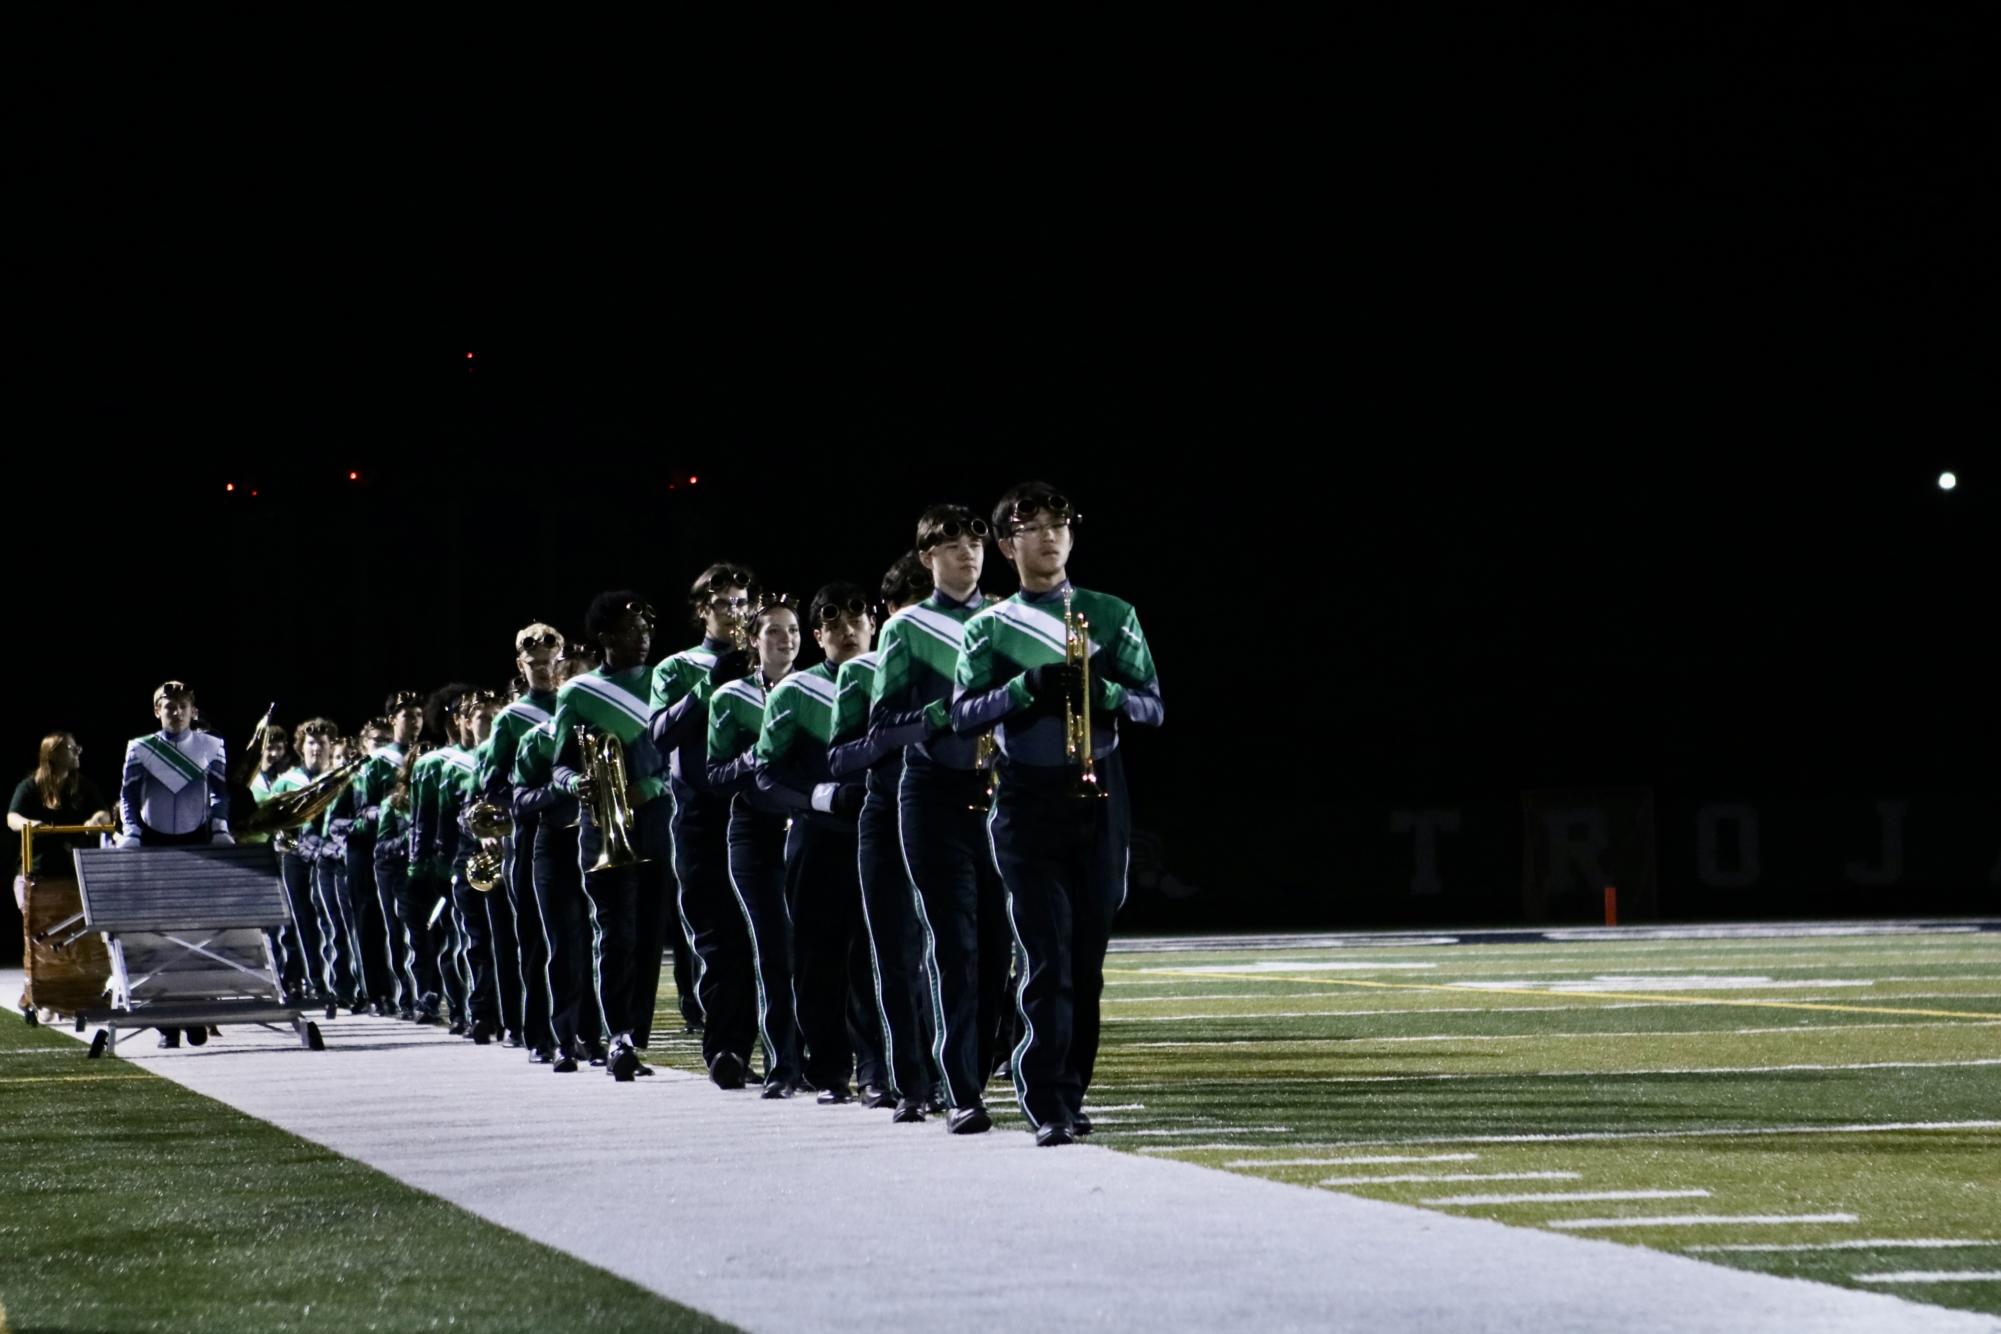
(717, 602)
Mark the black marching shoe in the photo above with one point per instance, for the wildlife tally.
(834, 1095)
(1054, 1135)
(541, 1056)
(875, 1095)
(169, 1037)
(565, 1064)
(594, 1051)
(779, 1088)
(379, 1009)
(1080, 1124)
(513, 1039)
(969, 1120)
(408, 1014)
(458, 1028)
(909, 1111)
(482, 1033)
(622, 1062)
(727, 1070)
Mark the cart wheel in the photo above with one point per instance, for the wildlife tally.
(97, 1044)
(313, 1038)
(32, 1019)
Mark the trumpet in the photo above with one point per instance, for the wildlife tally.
(489, 823)
(985, 753)
(611, 801)
(1077, 738)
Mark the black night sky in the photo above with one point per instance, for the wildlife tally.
(1510, 406)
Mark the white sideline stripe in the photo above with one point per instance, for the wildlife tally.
(1576, 1136)
(1571, 1197)
(1351, 1160)
(1865, 1244)
(1581, 1074)
(1422, 1177)
(1934, 1276)
(1119, 1107)
(1702, 1220)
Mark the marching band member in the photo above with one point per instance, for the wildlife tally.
(559, 883)
(902, 992)
(384, 943)
(757, 827)
(175, 792)
(724, 984)
(537, 650)
(959, 895)
(629, 903)
(1061, 842)
(831, 964)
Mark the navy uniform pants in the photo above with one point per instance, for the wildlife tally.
(559, 894)
(832, 972)
(724, 982)
(629, 911)
(1064, 862)
(341, 933)
(417, 894)
(901, 976)
(378, 966)
(476, 943)
(963, 916)
(301, 940)
(532, 957)
(757, 875)
(391, 880)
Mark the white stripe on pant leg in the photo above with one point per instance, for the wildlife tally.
(1020, 987)
(597, 940)
(756, 961)
(931, 970)
(875, 971)
(681, 908)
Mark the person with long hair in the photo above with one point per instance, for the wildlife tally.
(57, 793)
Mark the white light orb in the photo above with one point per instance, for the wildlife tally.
(1946, 481)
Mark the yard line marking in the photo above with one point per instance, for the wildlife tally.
(1120, 1107)
(1691, 982)
(1193, 1148)
(1934, 1276)
(1450, 1176)
(1570, 1197)
(1613, 995)
(67, 1079)
(1865, 1244)
(1577, 1136)
(1349, 1161)
(1699, 1220)
(1455, 1076)
(1265, 966)
(1623, 1034)
(1217, 1130)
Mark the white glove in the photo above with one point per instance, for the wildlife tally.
(823, 797)
(126, 841)
(221, 838)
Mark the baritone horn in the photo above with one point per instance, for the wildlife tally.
(490, 824)
(1077, 738)
(611, 799)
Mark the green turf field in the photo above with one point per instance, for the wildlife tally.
(160, 1209)
(1752, 1081)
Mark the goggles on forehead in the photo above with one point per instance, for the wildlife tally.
(172, 690)
(643, 610)
(833, 611)
(953, 529)
(541, 639)
(405, 699)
